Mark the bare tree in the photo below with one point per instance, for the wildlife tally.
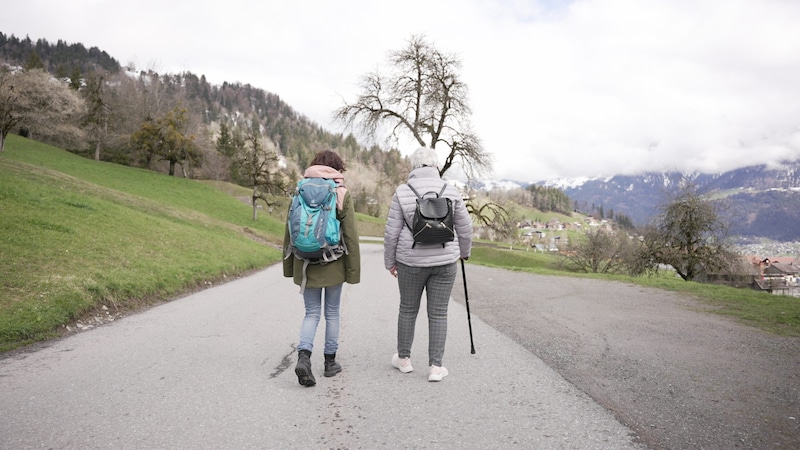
(41, 105)
(602, 250)
(9, 117)
(132, 100)
(492, 215)
(690, 235)
(96, 121)
(424, 97)
(258, 163)
(597, 251)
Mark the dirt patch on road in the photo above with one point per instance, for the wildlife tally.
(673, 371)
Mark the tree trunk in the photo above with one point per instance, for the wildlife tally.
(172, 168)
(255, 204)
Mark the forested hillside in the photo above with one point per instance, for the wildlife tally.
(217, 131)
(62, 59)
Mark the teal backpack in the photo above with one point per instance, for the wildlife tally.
(314, 231)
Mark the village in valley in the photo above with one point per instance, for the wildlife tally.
(772, 267)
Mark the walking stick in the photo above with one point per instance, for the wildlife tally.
(466, 300)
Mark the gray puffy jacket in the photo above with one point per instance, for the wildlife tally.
(397, 239)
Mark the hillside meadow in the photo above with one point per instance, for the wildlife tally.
(77, 235)
(81, 238)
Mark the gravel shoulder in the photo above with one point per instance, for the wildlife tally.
(677, 374)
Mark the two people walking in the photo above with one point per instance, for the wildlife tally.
(429, 268)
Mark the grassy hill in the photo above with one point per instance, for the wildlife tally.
(77, 235)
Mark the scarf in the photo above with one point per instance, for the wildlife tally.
(330, 173)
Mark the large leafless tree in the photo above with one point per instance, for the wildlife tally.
(690, 235)
(420, 94)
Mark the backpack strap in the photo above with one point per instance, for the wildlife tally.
(404, 216)
(305, 278)
(444, 186)
(413, 190)
(441, 193)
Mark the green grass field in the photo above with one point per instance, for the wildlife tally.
(78, 235)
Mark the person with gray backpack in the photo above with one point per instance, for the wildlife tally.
(322, 210)
(427, 231)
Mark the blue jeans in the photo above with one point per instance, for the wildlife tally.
(313, 300)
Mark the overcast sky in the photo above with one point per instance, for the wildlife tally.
(559, 89)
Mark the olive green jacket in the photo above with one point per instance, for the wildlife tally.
(346, 269)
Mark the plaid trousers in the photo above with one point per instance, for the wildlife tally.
(437, 282)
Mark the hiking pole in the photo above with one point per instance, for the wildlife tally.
(466, 300)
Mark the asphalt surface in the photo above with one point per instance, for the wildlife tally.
(214, 370)
(679, 375)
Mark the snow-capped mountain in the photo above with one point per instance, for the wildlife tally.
(760, 201)
(490, 184)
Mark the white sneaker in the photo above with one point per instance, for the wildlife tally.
(401, 364)
(436, 373)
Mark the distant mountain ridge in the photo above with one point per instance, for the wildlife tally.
(760, 201)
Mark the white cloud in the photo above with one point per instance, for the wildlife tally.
(558, 88)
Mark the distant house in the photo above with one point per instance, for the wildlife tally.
(780, 276)
(788, 260)
(554, 224)
(762, 274)
(742, 276)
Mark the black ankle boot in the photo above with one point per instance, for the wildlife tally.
(331, 366)
(303, 369)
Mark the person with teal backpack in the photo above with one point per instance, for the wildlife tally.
(321, 254)
(315, 233)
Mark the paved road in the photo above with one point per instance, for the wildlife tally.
(214, 370)
(680, 376)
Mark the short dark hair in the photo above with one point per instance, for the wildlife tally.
(329, 158)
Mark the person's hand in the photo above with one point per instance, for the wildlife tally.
(464, 258)
(393, 271)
